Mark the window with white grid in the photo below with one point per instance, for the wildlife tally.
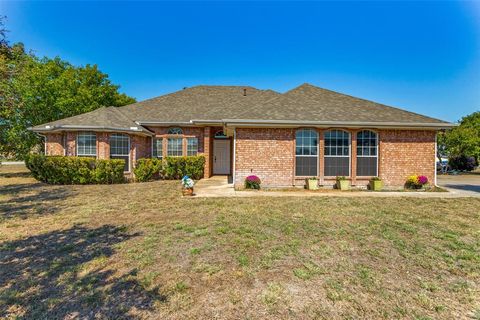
(367, 153)
(120, 148)
(87, 144)
(158, 148)
(306, 152)
(337, 153)
(174, 147)
(192, 146)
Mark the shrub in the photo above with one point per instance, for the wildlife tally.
(416, 181)
(252, 182)
(462, 163)
(75, 170)
(147, 169)
(177, 167)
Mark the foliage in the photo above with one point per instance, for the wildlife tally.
(416, 181)
(375, 179)
(147, 169)
(252, 182)
(177, 167)
(341, 178)
(463, 140)
(75, 170)
(37, 90)
(462, 163)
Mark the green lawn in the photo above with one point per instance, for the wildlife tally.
(141, 251)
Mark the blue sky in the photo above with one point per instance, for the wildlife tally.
(421, 56)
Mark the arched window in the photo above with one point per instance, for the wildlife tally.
(337, 153)
(306, 153)
(175, 145)
(175, 130)
(367, 153)
(120, 148)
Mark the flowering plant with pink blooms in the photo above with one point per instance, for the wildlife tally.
(416, 181)
(252, 182)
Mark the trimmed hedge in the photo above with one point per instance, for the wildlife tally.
(178, 167)
(147, 169)
(169, 168)
(75, 170)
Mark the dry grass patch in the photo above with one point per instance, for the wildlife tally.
(142, 250)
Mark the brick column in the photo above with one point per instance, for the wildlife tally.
(321, 157)
(71, 144)
(207, 151)
(103, 145)
(353, 157)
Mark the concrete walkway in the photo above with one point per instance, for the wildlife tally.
(219, 186)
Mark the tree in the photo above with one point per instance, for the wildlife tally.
(464, 140)
(37, 90)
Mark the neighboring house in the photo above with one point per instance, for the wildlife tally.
(282, 138)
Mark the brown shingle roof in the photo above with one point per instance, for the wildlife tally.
(305, 103)
(200, 102)
(310, 103)
(103, 118)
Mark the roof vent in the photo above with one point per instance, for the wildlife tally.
(133, 128)
(244, 92)
(47, 127)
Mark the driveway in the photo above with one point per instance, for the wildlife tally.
(465, 184)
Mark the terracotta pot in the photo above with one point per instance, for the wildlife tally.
(187, 192)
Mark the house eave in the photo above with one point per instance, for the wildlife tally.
(338, 124)
(57, 128)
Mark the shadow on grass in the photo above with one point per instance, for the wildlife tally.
(65, 274)
(20, 174)
(31, 198)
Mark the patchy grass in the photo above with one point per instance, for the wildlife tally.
(142, 251)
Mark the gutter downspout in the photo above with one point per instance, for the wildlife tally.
(234, 150)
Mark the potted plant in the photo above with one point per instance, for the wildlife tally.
(187, 184)
(312, 183)
(416, 182)
(342, 183)
(376, 184)
(252, 182)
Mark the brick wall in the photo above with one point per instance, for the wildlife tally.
(267, 153)
(54, 144)
(270, 154)
(71, 143)
(103, 145)
(406, 152)
(140, 147)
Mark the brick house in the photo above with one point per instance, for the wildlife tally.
(282, 138)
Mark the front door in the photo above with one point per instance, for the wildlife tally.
(221, 156)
